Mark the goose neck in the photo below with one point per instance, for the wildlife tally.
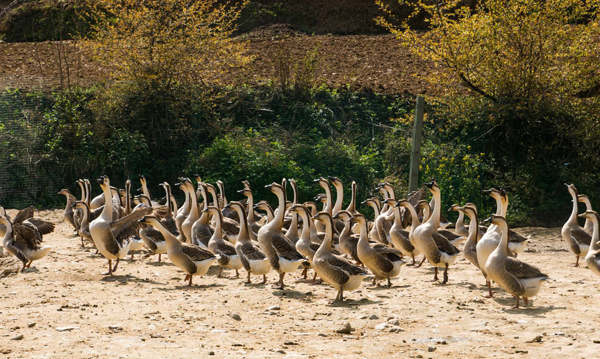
(339, 198)
(573, 218)
(437, 209)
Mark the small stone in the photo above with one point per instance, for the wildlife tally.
(274, 307)
(31, 325)
(382, 326)
(5, 351)
(373, 317)
(477, 300)
(559, 334)
(151, 326)
(322, 334)
(211, 353)
(537, 339)
(419, 356)
(115, 327)
(521, 351)
(362, 316)
(346, 328)
(394, 321)
(596, 341)
(431, 348)
(281, 351)
(18, 337)
(235, 316)
(396, 330)
(66, 329)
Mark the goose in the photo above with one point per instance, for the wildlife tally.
(265, 207)
(153, 240)
(282, 254)
(111, 236)
(339, 273)
(84, 227)
(168, 219)
(189, 257)
(592, 258)
(292, 232)
(470, 248)
(196, 227)
(184, 211)
(253, 217)
(312, 207)
(382, 260)
(583, 198)
(2, 228)
(228, 255)
(399, 236)
(231, 228)
(415, 222)
(374, 203)
(459, 227)
(352, 205)
(137, 243)
(514, 276)
(304, 245)
(226, 211)
(252, 257)
(516, 242)
(348, 241)
(23, 241)
(328, 201)
(338, 225)
(436, 248)
(383, 222)
(145, 191)
(68, 213)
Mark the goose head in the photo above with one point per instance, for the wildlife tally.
(495, 193)
(432, 186)
(297, 208)
(322, 216)
(321, 197)
(143, 182)
(246, 184)
(150, 220)
(323, 183)
(455, 207)
(212, 210)
(246, 192)
(263, 206)
(335, 181)
(197, 178)
(583, 198)
(591, 215)
(572, 189)
(104, 182)
(343, 215)
(80, 205)
(471, 205)
(358, 218)
(312, 206)
(390, 201)
(64, 192)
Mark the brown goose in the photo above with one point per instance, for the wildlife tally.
(197, 226)
(470, 248)
(459, 227)
(189, 257)
(228, 256)
(334, 270)
(231, 228)
(514, 276)
(292, 231)
(111, 236)
(328, 201)
(399, 236)
(415, 223)
(583, 198)
(348, 241)
(282, 254)
(84, 227)
(252, 257)
(592, 259)
(374, 203)
(384, 261)
(436, 248)
(184, 211)
(68, 213)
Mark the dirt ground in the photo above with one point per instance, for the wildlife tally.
(64, 308)
(376, 62)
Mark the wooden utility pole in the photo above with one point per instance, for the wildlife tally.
(415, 154)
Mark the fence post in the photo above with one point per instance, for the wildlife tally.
(415, 154)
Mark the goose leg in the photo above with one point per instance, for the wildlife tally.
(237, 274)
(435, 276)
(420, 264)
(187, 276)
(24, 266)
(281, 275)
(374, 281)
(159, 257)
(341, 294)
(389, 283)
(249, 281)
(305, 273)
(116, 265)
(83, 245)
(109, 268)
(264, 279)
(220, 270)
(132, 252)
(190, 283)
(445, 274)
(413, 261)
(516, 303)
(577, 262)
(490, 293)
(29, 264)
(526, 300)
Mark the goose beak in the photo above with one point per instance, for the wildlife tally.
(398, 203)
(142, 220)
(566, 184)
(100, 180)
(269, 186)
(581, 215)
(228, 205)
(487, 191)
(488, 220)
(337, 216)
(429, 185)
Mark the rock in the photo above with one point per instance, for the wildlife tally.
(382, 326)
(477, 300)
(281, 351)
(9, 265)
(373, 317)
(18, 337)
(66, 329)
(346, 328)
(274, 307)
(596, 341)
(521, 351)
(151, 326)
(396, 330)
(431, 348)
(537, 339)
(235, 316)
(115, 328)
(211, 353)
(362, 316)
(31, 325)
(394, 321)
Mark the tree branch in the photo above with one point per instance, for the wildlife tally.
(470, 85)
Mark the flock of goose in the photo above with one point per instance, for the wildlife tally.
(341, 245)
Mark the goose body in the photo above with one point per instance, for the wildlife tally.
(111, 237)
(592, 258)
(470, 248)
(23, 240)
(399, 236)
(339, 273)
(576, 237)
(84, 224)
(383, 261)
(228, 255)
(252, 257)
(347, 241)
(514, 276)
(282, 254)
(436, 248)
(69, 213)
(189, 257)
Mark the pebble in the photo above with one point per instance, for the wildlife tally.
(274, 307)
(373, 317)
(396, 330)
(235, 316)
(394, 321)
(362, 316)
(477, 300)
(211, 353)
(18, 337)
(537, 339)
(152, 327)
(431, 348)
(596, 341)
(31, 325)
(382, 326)
(346, 328)
(66, 329)
(279, 351)
(521, 351)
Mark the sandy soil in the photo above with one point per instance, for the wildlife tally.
(146, 311)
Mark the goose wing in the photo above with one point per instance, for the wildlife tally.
(581, 236)
(170, 225)
(127, 226)
(27, 235)
(443, 244)
(285, 248)
(515, 237)
(448, 234)
(231, 227)
(251, 252)
(344, 265)
(226, 248)
(390, 253)
(196, 253)
(44, 227)
(522, 270)
(23, 214)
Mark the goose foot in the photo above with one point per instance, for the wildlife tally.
(420, 264)
(577, 262)
(110, 270)
(248, 281)
(435, 276)
(237, 274)
(526, 300)
(413, 262)
(280, 284)
(116, 265)
(220, 271)
(264, 279)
